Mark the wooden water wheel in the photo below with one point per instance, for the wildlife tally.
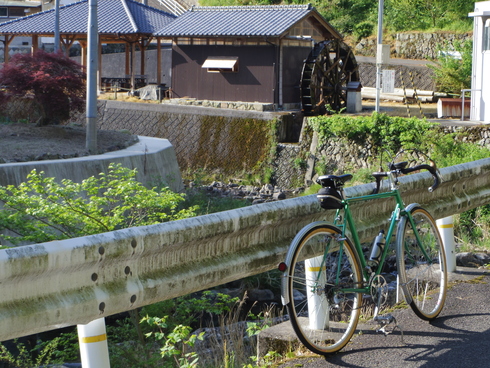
(326, 72)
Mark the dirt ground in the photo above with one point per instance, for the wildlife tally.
(22, 142)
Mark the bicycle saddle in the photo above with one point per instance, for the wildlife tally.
(333, 181)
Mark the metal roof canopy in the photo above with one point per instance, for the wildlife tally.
(220, 62)
(119, 21)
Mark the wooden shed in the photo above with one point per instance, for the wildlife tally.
(244, 53)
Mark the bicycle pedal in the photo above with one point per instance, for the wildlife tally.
(384, 322)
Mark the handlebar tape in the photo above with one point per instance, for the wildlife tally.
(429, 168)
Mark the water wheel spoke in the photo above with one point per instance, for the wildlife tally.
(326, 72)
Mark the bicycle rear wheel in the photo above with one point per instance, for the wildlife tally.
(421, 266)
(323, 312)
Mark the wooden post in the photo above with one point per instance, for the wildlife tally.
(99, 68)
(83, 56)
(126, 72)
(142, 57)
(159, 61)
(35, 43)
(8, 40)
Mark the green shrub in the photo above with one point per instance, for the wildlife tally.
(42, 210)
(381, 131)
(453, 74)
(363, 30)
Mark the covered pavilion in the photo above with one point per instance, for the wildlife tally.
(119, 21)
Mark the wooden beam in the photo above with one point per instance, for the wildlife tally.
(67, 42)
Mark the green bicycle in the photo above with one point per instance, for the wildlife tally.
(327, 278)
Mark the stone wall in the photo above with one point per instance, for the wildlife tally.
(225, 140)
(336, 156)
(411, 45)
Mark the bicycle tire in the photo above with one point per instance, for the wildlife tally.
(329, 325)
(423, 279)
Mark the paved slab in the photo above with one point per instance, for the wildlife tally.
(458, 338)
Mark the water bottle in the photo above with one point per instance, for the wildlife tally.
(377, 249)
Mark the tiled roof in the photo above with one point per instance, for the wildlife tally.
(266, 20)
(114, 16)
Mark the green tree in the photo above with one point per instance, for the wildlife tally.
(41, 209)
(452, 74)
(408, 15)
(344, 15)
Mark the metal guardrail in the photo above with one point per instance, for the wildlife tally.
(60, 283)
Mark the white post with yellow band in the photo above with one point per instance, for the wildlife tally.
(446, 229)
(94, 350)
(317, 303)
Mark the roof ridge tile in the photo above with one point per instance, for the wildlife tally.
(251, 7)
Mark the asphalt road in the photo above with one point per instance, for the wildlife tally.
(459, 337)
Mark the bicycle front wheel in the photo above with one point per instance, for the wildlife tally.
(421, 263)
(323, 307)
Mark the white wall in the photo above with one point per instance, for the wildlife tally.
(480, 81)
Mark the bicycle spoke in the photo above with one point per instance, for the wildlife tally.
(323, 315)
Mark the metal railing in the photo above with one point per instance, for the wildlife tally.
(50, 285)
(463, 91)
(173, 6)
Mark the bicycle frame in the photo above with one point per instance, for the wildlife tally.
(347, 222)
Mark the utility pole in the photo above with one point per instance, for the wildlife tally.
(379, 53)
(56, 25)
(92, 66)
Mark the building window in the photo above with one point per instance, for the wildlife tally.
(4, 12)
(221, 64)
(486, 36)
(17, 12)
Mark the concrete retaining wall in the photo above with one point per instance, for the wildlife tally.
(154, 158)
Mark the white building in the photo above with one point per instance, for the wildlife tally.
(480, 79)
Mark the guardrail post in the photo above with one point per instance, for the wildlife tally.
(446, 229)
(94, 350)
(317, 307)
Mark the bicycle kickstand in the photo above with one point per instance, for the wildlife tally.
(385, 321)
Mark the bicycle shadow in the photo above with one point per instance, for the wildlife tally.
(455, 347)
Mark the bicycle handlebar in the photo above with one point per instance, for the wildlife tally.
(429, 168)
(402, 170)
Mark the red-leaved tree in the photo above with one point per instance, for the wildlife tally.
(52, 81)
